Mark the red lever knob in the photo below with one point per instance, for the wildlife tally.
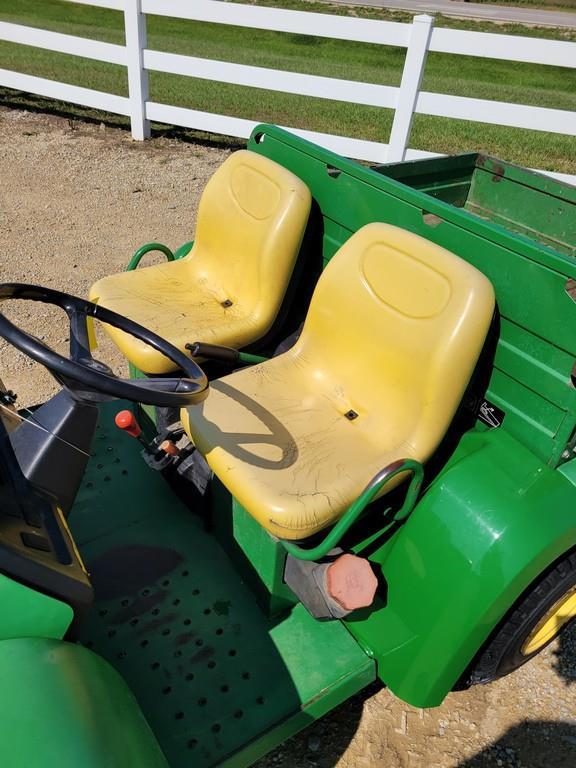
(127, 421)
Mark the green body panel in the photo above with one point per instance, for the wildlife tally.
(487, 526)
(27, 613)
(258, 557)
(67, 708)
(536, 345)
(218, 679)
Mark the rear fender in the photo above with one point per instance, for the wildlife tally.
(485, 529)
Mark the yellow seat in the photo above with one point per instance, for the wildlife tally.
(392, 335)
(229, 288)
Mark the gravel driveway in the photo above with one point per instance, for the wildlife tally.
(75, 202)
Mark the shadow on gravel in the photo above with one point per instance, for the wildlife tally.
(322, 744)
(565, 656)
(530, 744)
(76, 115)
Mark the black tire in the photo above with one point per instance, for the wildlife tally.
(502, 653)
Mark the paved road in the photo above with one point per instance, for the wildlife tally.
(481, 11)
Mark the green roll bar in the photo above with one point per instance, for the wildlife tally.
(359, 505)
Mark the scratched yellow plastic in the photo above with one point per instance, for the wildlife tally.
(393, 332)
(229, 288)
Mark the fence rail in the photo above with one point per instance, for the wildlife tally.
(418, 38)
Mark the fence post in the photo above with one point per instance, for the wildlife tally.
(135, 30)
(414, 63)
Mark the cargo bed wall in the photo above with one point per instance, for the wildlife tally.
(531, 380)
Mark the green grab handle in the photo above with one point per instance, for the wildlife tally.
(359, 505)
(135, 260)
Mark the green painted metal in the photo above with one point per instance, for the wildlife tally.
(64, 707)
(249, 359)
(335, 535)
(486, 528)
(184, 250)
(148, 248)
(219, 681)
(568, 469)
(521, 201)
(529, 268)
(27, 613)
(258, 557)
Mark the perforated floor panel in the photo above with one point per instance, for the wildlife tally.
(217, 681)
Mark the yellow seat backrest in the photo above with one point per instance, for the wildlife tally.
(251, 220)
(395, 327)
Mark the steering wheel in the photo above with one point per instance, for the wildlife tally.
(86, 377)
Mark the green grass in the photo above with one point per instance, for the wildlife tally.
(466, 76)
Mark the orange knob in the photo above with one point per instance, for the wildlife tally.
(127, 421)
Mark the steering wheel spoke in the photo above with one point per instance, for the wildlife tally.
(82, 373)
(79, 337)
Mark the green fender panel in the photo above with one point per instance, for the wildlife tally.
(61, 706)
(26, 612)
(485, 529)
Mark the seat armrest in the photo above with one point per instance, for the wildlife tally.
(223, 354)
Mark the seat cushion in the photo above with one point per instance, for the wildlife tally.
(62, 706)
(286, 450)
(167, 299)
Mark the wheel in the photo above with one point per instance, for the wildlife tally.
(545, 608)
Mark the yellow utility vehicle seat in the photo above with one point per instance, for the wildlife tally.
(392, 335)
(229, 288)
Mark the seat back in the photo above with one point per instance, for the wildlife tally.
(394, 330)
(251, 220)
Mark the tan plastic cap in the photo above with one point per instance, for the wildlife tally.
(351, 582)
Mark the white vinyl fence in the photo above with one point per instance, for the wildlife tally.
(418, 38)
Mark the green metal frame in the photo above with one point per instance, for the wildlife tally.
(335, 535)
(151, 247)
